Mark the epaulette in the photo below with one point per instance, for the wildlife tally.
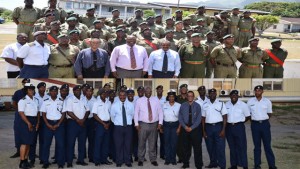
(46, 99)
(23, 98)
(31, 44)
(61, 99)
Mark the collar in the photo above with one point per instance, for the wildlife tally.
(223, 46)
(130, 46)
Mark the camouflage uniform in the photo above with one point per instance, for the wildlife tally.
(88, 21)
(59, 13)
(221, 28)
(179, 35)
(77, 44)
(141, 41)
(157, 30)
(184, 41)
(103, 34)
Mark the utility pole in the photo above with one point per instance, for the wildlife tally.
(178, 4)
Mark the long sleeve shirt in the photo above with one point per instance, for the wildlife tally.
(116, 112)
(184, 115)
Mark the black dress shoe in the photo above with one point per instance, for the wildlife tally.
(167, 163)
(162, 157)
(81, 163)
(31, 164)
(23, 165)
(17, 154)
(140, 163)
(174, 163)
(91, 160)
(41, 162)
(97, 164)
(185, 166)
(179, 161)
(257, 167)
(107, 163)
(136, 159)
(119, 165)
(60, 166)
(233, 167)
(69, 165)
(45, 166)
(273, 167)
(154, 163)
(211, 166)
(145, 159)
(128, 165)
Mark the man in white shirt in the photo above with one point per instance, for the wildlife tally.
(162, 101)
(238, 114)
(164, 63)
(129, 60)
(261, 110)
(202, 96)
(33, 57)
(9, 54)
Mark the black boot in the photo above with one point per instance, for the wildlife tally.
(17, 154)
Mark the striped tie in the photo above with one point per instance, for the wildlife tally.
(132, 59)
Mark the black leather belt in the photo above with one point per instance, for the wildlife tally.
(259, 121)
(37, 66)
(235, 123)
(213, 124)
(226, 65)
(62, 66)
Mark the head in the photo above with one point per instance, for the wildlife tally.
(148, 92)
(122, 95)
(247, 14)
(134, 24)
(95, 34)
(190, 96)
(146, 32)
(102, 94)
(22, 38)
(41, 37)
(234, 96)
(171, 97)
(112, 94)
(130, 94)
(74, 36)
(229, 41)
(158, 19)
(77, 91)
(52, 3)
(28, 3)
(90, 12)
(120, 33)
(224, 14)
(141, 91)
(159, 90)
(24, 81)
(30, 91)
(179, 25)
(95, 43)
(165, 45)
(143, 25)
(170, 22)
(169, 35)
(150, 20)
(64, 90)
(118, 22)
(178, 14)
(201, 10)
(63, 40)
(202, 90)
(53, 91)
(72, 22)
(41, 87)
(138, 13)
(187, 21)
(254, 43)
(212, 93)
(276, 45)
(201, 22)
(116, 13)
(107, 87)
(89, 92)
(196, 38)
(189, 33)
(131, 40)
(49, 18)
(258, 91)
(235, 11)
(99, 24)
(210, 36)
(55, 26)
(183, 90)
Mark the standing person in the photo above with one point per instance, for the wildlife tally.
(119, 40)
(115, 15)
(138, 16)
(122, 113)
(214, 120)
(246, 28)
(78, 113)
(89, 17)
(179, 33)
(92, 62)
(59, 13)
(273, 67)
(261, 111)
(53, 118)
(164, 63)
(201, 15)
(162, 101)
(171, 127)
(102, 125)
(221, 25)
(74, 38)
(238, 114)
(25, 17)
(33, 57)
(129, 60)
(190, 121)
(202, 96)
(53, 33)
(234, 21)
(146, 40)
(156, 29)
(148, 120)
(28, 108)
(9, 54)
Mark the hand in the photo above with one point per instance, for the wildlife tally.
(144, 73)
(37, 126)
(138, 128)
(55, 126)
(159, 128)
(80, 122)
(79, 77)
(30, 127)
(188, 129)
(204, 135)
(50, 127)
(150, 76)
(178, 131)
(222, 134)
(115, 74)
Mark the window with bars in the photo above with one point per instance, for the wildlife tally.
(95, 83)
(145, 83)
(69, 5)
(173, 84)
(223, 84)
(8, 83)
(269, 84)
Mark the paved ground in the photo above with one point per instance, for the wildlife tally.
(285, 134)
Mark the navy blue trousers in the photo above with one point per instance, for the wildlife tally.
(237, 141)
(122, 139)
(34, 72)
(170, 138)
(90, 129)
(59, 135)
(135, 139)
(261, 133)
(102, 138)
(79, 132)
(16, 131)
(215, 144)
(112, 147)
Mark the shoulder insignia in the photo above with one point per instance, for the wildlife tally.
(46, 99)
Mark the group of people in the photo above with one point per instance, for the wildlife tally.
(121, 126)
(58, 44)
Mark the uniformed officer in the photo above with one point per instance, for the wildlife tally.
(53, 33)
(115, 15)
(25, 17)
(187, 39)
(138, 16)
(33, 57)
(187, 22)
(119, 40)
(171, 127)
(28, 124)
(223, 58)
(77, 114)
(89, 18)
(98, 25)
(252, 58)
(178, 15)
(238, 114)
(273, 67)
(169, 24)
(156, 29)
(201, 27)
(221, 25)
(201, 14)
(193, 58)
(246, 28)
(179, 33)
(234, 21)
(261, 111)
(147, 41)
(190, 121)
(74, 38)
(133, 27)
(122, 113)
(62, 58)
(102, 125)
(169, 36)
(214, 120)
(59, 13)
(158, 20)
(90, 122)
(53, 118)
(95, 33)
(70, 25)
(45, 26)
(202, 96)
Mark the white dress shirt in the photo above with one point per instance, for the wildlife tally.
(10, 51)
(120, 57)
(117, 114)
(34, 55)
(41, 99)
(52, 108)
(237, 112)
(156, 60)
(213, 112)
(201, 102)
(171, 112)
(162, 100)
(29, 106)
(101, 109)
(90, 103)
(77, 106)
(259, 109)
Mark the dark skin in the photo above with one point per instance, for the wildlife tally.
(172, 102)
(190, 97)
(105, 125)
(55, 29)
(52, 4)
(74, 37)
(134, 25)
(178, 15)
(22, 38)
(130, 96)
(72, 24)
(15, 104)
(42, 90)
(138, 14)
(202, 93)
(189, 34)
(120, 35)
(258, 94)
(112, 96)
(234, 98)
(169, 36)
(158, 20)
(150, 22)
(212, 97)
(210, 37)
(64, 93)
(159, 92)
(80, 122)
(28, 5)
(201, 11)
(147, 34)
(187, 22)
(183, 92)
(235, 12)
(170, 23)
(247, 16)
(95, 34)
(116, 14)
(276, 46)
(99, 26)
(141, 93)
(90, 13)
(53, 95)
(228, 42)
(89, 93)
(122, 96)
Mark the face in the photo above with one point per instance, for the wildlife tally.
(72, 23)
(159, 91)
(41, 37)
(148, 92)
(183, 90)
(246, 15)
(258, 92)
(187, 22)
(53, 93)
(170, 35)
(30, 92)
(50, 19)
(178, 14)
(189, 34)
(202, 92)
(95, 34)
(165, 46)
(210, 36)
(98, 26)
(179, 26)
(134, 24)
(95, 43)
(74, 36)
(190, 97)
(254, 43)
(276, 45)
(22, 39)
(90, 12)
(234, 98)
(63, 40)
(120, 34)
(28, 2)
(147, 32)
(103, 95)
(212, 95)
(116, 14)
(138, 13)
(77, 92)
(89, 92)
(130, 96)
(122, 96)
(150, 21)
(171, 98)
(131, 40)
(119, 22)
(229, 41)
(170, 22)
(107, 88)
(52, 2)
(64, 92)
(201, 23)
(196, 39)
(42, 89)
(236, 11)
(112, 95)
(201, 10)
(158, 19)
(141, 93)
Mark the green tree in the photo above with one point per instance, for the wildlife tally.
(6, 14)
(185, 13)
(148, 13)
(263, 22)
(284, 9)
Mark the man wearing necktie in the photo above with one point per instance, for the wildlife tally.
(122, 112)
(148, 120)
(164, 63)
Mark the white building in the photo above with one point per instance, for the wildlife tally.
(286, 25)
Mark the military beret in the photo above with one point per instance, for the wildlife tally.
(158, 15)
(39, 33)
(91, 8)
(130, 90)
(132, 21)
(77, 87)
(120, 29)
(247, 11)
(26, 80)
(64, 86)
(150, 17)
(170, 18)
(169, 31)
(143, 23)
(107, 84)
(62, 36)
(145, 29)
(114, 10)
(223, 12)
(186, 18)
(112, 91)
(189, 30)
(90, 87)
(74, 31)
(212, 90)
(159, 86)
(140, 88)
(234, 92)
(123, 86)
(259, 87)
(97, 21)
(101, 17)
(49, 14)
(252, 39)
(210, 32)
(41, 84)
(201, 88)
(72, 19)
(74, 15)
(178, 10)
(183, 85)
(101, 91)
(201, 7)
(200, 20)
(55, 23)
(85, 85)
(228, 36)
(53, 88)
(177, 22)
(138, 10)
(235, 8)
(195, 34)
(69, 12)
(29, 86)
(276, 40)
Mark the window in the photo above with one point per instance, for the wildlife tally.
(69, 5)
(226, 84)
(8, 83)
(157, 11)
(173, 84)
(192, 83)
(130, 9)
(95, 83)
(269, 84)
(110, 9)
(82, 6)
(145, 83)
(76, 5)
(274, 26)
(167, 11)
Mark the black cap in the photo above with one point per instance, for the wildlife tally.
(201, 6)
(26, 80)
(201, 88)
(212, 90)
(111, 91)
(137, 10)
(259, 87)
(90, 87)
(123, 86)
(64, 86)
(132, 21)
(89, 9)
(169, 31)
(149, 17)
(158, 15)
(49, 14)
(140, 88)
(53, 88)
(107, 84)
(145, 29)
(234, 92)
(29, 86)
(85, 85)
(41, 84)
(77, 87)
(247, 11)
(130, 90)
(159, 86)
(101, 91)
(183, 85)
